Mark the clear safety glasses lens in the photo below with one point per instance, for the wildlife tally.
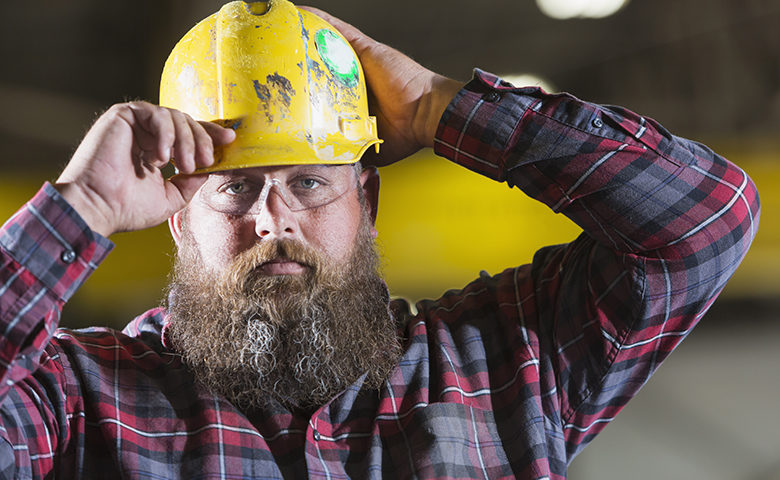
(241, 193)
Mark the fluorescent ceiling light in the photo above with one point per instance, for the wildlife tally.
(564, 9)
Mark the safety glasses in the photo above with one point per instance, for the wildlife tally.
(244, 192)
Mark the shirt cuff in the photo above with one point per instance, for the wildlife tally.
(51, 240)
(480, 121)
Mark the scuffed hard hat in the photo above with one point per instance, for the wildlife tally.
(286, 81)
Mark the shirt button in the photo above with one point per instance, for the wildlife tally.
(491, 97)
(317, 436)
(68, 256)
(597, 122)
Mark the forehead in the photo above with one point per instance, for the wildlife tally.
(285, 171)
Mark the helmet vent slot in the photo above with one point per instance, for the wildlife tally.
(256, 7)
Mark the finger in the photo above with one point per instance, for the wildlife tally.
(184, 143)
(157, 133)
(219, 134)
(145, 148)
(181, 188)
(204, 147)
(218, 137)
(137, 116)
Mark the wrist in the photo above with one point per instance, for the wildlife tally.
(87, 206)
(441, 93)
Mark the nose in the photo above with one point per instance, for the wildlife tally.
(275, 219)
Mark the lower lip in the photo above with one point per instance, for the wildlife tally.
(282, 268)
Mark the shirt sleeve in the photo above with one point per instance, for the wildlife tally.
(46, 252)
(666, 222)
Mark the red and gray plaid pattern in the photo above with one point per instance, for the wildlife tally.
(508, 378)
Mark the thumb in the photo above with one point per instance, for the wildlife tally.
(184, 187)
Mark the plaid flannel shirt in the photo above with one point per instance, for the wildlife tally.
(510, 377)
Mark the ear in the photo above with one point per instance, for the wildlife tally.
(174, 224)
(369, 180)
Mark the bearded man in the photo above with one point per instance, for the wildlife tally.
(279, 353)
(257, 332)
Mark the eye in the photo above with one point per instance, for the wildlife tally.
(236, 187)
(309, 183)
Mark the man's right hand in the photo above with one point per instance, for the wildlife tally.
(114, 180)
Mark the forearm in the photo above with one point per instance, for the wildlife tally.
(625, 180)
(46, 253)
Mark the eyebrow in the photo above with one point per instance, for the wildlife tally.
(248, 173)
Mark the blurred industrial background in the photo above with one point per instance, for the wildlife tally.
(706, 69)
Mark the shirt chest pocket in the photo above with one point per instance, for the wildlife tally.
(454, 440)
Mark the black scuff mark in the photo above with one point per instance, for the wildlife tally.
(264, 95)
(262, 91)
(274, 95)
(283, 86)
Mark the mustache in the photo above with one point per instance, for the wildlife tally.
(247, 264)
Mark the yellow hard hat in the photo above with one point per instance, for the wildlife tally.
(286, 81)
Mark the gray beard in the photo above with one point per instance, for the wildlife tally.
(298, 340)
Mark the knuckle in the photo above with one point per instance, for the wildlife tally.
(166, 136)
(185, 142)
(118, 109)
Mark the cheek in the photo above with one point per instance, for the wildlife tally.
(218, 239)
(333, 231)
